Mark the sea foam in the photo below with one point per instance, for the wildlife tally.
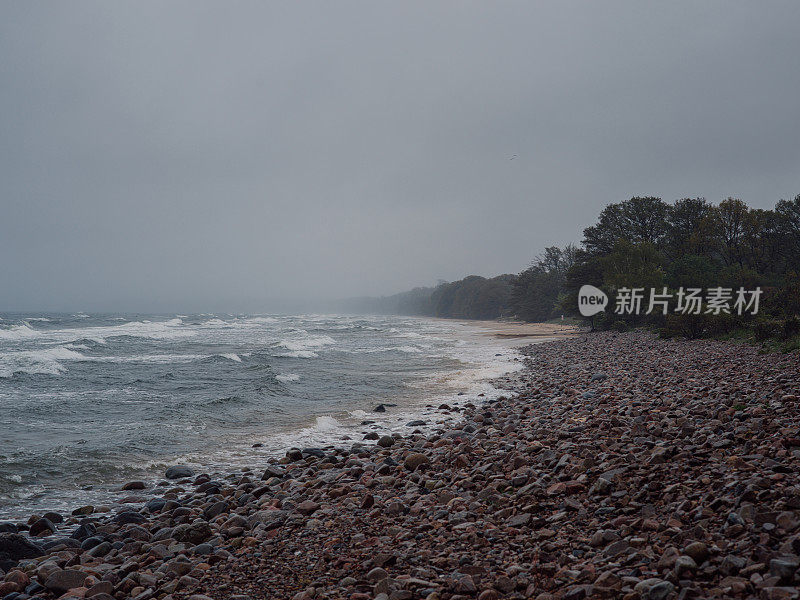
(45, 361)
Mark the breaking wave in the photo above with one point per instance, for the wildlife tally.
(44, 362)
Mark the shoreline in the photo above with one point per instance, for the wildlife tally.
(520, 329)
(619, 469)
(326, 429)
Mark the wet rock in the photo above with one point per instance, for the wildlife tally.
(135, 485)
(16, 547)
(100, 549)
(129, 516)
(42, 527)
(386, 441)
(178, 472)
(8, 528)
(274, 471)
(83, 531)
(294, 454)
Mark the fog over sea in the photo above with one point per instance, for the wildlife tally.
(88, 402)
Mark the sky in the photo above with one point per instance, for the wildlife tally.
(245, 156)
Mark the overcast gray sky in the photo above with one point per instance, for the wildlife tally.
(211, 156)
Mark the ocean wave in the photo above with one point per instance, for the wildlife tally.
(216, 323)
(327, 423)
(18, 332)
(37, 362)
(304, 343)
(288, 377)
(158, 330)
(298, 354)
(403, 349)
(261, 320)
(76, 346)
(147, 358)
(231, 356)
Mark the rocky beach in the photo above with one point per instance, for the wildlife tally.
(616, 466)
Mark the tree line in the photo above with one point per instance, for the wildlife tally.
(645, 243)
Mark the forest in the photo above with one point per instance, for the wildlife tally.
(646, 243)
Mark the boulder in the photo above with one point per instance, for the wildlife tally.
(178, 472)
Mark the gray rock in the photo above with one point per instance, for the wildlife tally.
(684, 564)
(215, 510)
(377, 574)
(415, 460)
(783, 568)
(519, 520)
(64, 580)
(194, 533)
(100, 549)
(42, 527)
(274, 471)
(660, 591)
(16, 547)
(698, 551)
(732, 564)
(178, 472)
(129, 516)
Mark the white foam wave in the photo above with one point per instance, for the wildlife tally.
(407, 349)
(159, 330)
(327, 423)
(288, 377)
(261, 320)
(18, 332)
(216, 323)
(304, 343)
(231, 356)
(45, 361)
(404, 349)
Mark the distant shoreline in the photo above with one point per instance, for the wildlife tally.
(521, 329)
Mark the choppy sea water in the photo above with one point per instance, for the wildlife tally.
(88, 402)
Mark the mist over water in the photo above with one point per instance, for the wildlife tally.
(88, 402)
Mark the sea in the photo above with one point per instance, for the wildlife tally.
(91, 401)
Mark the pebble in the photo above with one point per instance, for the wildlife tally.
(677, 477)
